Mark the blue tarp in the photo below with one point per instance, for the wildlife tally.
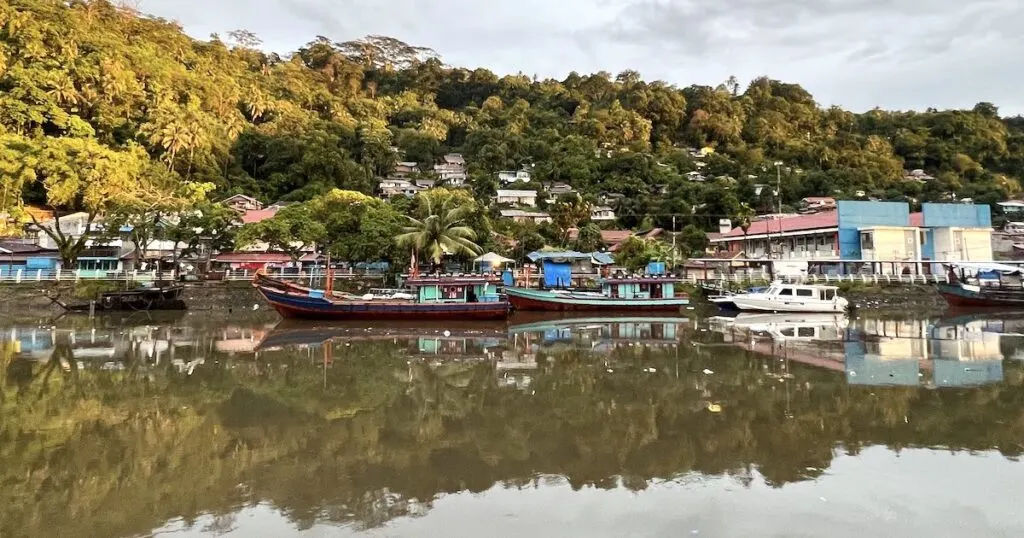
(557, 274)
(506, 278)
(600, 258)
(656, 268)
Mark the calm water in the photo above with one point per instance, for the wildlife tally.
(749, 426)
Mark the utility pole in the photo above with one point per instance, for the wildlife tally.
(778, 185)
(673, 242)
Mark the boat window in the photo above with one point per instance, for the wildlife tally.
(805, 332)
(803, 292)
(787, 332)
(786, 291)
(830, 294)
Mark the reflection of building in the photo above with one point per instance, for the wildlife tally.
(918, 352)
(597, 334)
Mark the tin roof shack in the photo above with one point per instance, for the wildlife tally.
(561, 267)
(27, 257)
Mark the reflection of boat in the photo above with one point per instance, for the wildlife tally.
(463, 297)
(781, 297)
(291, 332)
(617, 294)
(993, 285)
(820, 326)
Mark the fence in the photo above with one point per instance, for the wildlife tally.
(825, 279)
(39, 275)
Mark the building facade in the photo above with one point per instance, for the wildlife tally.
(873, 237)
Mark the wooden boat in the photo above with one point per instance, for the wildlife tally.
(781, 297)
(616, 294)
(153, 298)
(992, 285)
(469, 297)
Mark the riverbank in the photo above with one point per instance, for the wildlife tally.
(242, 300)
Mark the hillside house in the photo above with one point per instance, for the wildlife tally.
(515, 197)
(814, 204)
(242, 203)
(392, 187)
(522, 216)
(1012, 207)
(507, 177)
(602, 213)
(917, 175)
(404, 169)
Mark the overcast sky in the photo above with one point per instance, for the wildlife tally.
(859, 54)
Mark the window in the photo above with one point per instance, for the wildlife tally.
(804, 293)
(805, 332)
(830, 294)
(822, 240)
(786, 291)
(867, 241)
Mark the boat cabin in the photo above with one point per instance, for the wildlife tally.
(638, 288)
(468, 289)
(805, 293)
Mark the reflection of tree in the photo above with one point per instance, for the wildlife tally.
(373, 437)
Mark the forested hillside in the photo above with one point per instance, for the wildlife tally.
(96, 99)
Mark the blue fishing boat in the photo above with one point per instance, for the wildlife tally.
(468, 297)
(616, 294)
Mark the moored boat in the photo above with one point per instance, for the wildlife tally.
(991, 285)
(781, 297)
(467, 297)
(616, 294)
(166, 297)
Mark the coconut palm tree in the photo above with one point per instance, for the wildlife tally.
(744, 218)
(443, 231)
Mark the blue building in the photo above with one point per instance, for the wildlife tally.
(892, 240)
(27, 258)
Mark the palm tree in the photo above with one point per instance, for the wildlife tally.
(743, 219)
(441, 232)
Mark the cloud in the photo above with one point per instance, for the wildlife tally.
(857, 53)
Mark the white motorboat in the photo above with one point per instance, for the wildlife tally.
(781, 297)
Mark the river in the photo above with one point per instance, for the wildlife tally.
(765, 425)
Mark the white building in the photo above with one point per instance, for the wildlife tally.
(514, 197)
(509, 176)
(391, 187)
(1012, 207)
(403, 169)
(519, 215)
(72, 226)
(452, 170)
(242, 203)
(602, 213)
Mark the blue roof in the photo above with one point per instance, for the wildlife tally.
(602, 258)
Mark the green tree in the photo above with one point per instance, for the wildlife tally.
(692, 240)
(442, 231)
(294, 230)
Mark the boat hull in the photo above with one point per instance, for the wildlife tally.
(957, 296)
(763, 305)
(528, 299)
(293, 305)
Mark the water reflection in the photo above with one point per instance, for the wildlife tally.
(952, 352)
(118, 430)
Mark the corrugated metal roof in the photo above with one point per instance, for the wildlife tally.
(791, 224)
